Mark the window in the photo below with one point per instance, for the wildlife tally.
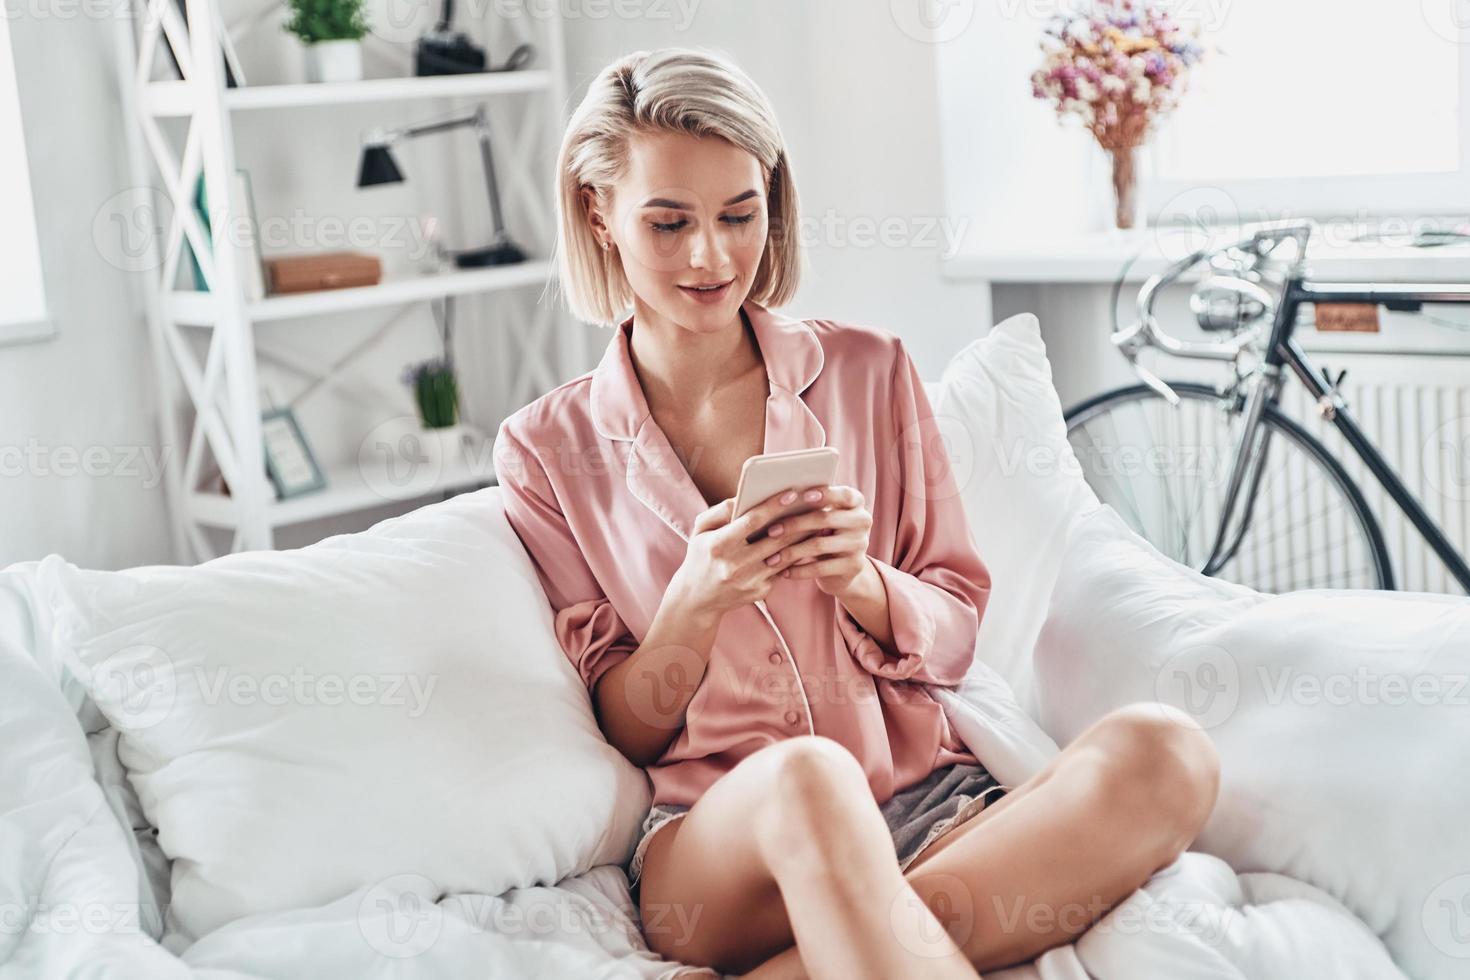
(22, 299)
(1324, 107)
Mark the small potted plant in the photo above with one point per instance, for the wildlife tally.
(436, 392)
(332, 31)
(1119, 66)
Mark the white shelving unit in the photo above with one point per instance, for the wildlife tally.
(177, 98)
(198, 310)
(222, 387)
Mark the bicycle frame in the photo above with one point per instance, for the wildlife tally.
(1282, 351)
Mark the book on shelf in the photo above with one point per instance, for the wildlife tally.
(242, 235)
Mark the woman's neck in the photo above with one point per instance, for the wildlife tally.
(680, 368)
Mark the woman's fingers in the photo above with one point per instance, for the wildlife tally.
(819, 546)
(818, 569)
(826, 522)
(777, 544)
(716, 516)
(840, 495)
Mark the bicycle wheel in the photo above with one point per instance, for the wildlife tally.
(1165, 469)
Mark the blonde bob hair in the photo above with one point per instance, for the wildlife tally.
(676, 90)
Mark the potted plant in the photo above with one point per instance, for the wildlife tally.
(436, 392)
(332, 31)
(1119, 66)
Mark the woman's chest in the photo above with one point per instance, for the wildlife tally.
(714, 441)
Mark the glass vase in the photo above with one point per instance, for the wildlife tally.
(1117, 181)
(1127, 198)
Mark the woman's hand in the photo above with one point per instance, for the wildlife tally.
(831, 543)
(723, 568)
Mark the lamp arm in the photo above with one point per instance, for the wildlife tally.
(480, 121)
(482, 131)
(425, 129)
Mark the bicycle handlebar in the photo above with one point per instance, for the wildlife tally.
(1145, 330)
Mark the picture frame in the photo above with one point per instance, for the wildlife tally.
(289, 461)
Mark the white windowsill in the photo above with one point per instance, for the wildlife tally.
(27, 331)
(1099, 258)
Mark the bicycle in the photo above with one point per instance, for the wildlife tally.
(1278, 511)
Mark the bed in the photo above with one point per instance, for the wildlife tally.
(163, 813)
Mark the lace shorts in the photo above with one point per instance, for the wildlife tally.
(917, 816)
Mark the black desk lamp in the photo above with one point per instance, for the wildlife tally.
(379, 167)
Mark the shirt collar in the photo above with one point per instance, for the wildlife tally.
(790, 348)
(655, 474)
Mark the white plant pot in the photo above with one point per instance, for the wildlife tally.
(334, 61)
(443, 447)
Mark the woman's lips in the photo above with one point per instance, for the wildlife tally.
(707, 295)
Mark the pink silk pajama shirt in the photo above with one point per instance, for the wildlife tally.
(604, 507)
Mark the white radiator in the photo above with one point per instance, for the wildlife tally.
(1416, 409)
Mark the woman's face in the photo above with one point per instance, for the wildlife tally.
(688, 212)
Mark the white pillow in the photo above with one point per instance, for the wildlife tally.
(299, 724)
(1334, 770)
(1020, 482)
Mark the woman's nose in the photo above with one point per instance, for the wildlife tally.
(707, 251)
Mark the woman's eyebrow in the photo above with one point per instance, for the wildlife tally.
(663, 202)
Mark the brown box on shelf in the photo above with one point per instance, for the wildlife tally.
(323, 270)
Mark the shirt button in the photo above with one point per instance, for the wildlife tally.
(792, 717)
(775, 656)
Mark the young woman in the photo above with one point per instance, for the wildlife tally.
(814, 815)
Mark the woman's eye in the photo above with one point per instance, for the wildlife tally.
(672, 226)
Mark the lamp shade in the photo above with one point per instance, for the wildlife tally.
(378, 167)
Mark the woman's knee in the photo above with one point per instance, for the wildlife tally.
(817, 788)
(1161, 767)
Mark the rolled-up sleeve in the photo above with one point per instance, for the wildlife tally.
(937, 584)
(590, 631)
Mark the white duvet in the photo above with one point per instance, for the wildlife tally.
(82, 889)
(84, 885)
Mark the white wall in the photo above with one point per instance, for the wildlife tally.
(91, 390)
(856, 97)
(81, 401)
(1009, 166)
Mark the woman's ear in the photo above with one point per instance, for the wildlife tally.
(592, 206)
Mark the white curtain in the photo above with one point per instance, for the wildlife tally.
(22, 298)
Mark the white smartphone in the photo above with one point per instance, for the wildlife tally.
(771, 473)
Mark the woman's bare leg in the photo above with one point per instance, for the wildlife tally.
(790, 827)
(1041, 864)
